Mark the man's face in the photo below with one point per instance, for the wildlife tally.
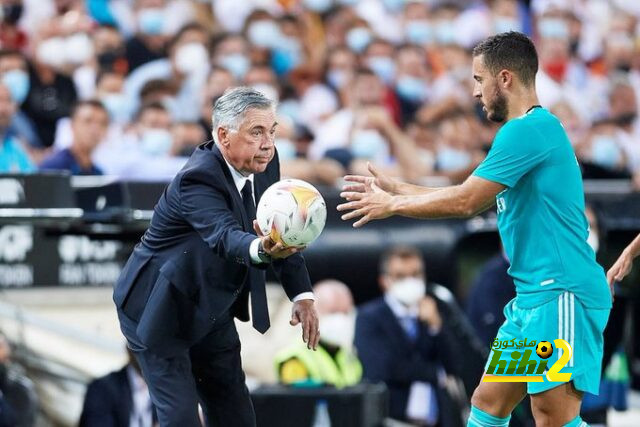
(488, 92)
(154, 119)
(400, 268)
(12, 62)
(250, 148)
(368, 90)
(89, 126)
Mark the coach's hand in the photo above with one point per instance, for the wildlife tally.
(273, 249)
(304, 312)
(364, 184)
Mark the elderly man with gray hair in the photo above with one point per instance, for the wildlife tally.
(199, 262)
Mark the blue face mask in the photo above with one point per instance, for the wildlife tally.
(318, 6)
(264, 33)
(286, 56)
(445, 32)
(151, 21)
(156, 142)
(553, 28)
(383, 66)
(17, 81)
(452, 159)
(367, 144)
(502, 24)
(358, 38)
(412, 88)
(116, 105)
(286, 149)
(237, 64)
(419, 32)
(605, 151)
(337, 78)
(394, 5)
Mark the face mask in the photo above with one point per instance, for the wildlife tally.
(553, 28)
(116, 105)
(18, 83)
(11, 13)
(337, 78)
(367, 144)
(318, 6)
(445, 32)
(286, 149)
(605, 151)
(192, 58)
(237, 64)
(290, 108)
(383, 66)
(394, 5)
(337, 329)
(286, 56)
(151, 21)
(452, 159)
(156, 142)
(50, 52)
(412, 88)
(418, 32)
(593, 241)
(358, 39)
(409, 291)
(264, 33)
(78, 48)
(502, 24)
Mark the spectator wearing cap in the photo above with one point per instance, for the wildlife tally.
(89, 124)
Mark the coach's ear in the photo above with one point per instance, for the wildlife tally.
(223, 136)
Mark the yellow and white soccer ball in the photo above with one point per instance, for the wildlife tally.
(292, 211)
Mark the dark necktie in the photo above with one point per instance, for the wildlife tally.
(259, 311)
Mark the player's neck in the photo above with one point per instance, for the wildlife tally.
(521, 104)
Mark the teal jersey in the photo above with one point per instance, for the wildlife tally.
(541, 216)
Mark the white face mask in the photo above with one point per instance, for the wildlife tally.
(156, 142)
(337, 329)
(192, 58)
(78, 48)
(409, 291)
(51, 52)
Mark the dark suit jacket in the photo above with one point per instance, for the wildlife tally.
(192, 266)
(108, 401)
(389, 356)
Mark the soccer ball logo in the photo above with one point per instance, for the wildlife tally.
(544, 349)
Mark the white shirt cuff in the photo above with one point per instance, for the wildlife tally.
(304, 295)
(253, 251)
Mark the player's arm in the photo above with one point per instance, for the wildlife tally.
(623, 264)
(465, 200)
(364, 184)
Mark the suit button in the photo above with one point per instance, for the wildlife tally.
(212, 318)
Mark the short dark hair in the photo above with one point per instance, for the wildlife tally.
(513, 51)
(402, 252)
(157, 106)
(87, 103)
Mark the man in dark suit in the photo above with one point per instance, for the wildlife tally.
(118, 399)
(196, 265)
(403, 342)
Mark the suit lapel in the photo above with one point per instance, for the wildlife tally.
(231, 186)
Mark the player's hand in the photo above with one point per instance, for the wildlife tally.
(364, 184)
(428, 313)
(275, 250)
(619, 269)
(369, 205)
(304, 312)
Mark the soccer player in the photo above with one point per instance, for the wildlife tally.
(532, 175)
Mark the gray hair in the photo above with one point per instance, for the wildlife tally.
(230, 108)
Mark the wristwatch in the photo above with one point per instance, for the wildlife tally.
(262, 254)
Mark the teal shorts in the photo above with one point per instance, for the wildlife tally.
(563, 317)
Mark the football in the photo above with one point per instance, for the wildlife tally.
(544, 349)
(292, 211)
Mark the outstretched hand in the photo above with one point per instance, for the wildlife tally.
(275, 249)
(364, 184)
(375, 204)
(304, 312)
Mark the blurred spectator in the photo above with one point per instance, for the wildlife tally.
(340, 67)
(187, 67)
(13, 156)
(119, 399)
(11, 36)
(231, 51)
(186, 137)
(148, 42)
(413, 82)
(602, 154)
(89, 124)
(402, 341)
(218, 81)
(51, 94)
(334, 363)
(18, 399)
(491, 290)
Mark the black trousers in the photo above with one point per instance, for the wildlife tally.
(210, 373)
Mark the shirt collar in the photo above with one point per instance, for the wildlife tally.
(238, 179)
(400, 310)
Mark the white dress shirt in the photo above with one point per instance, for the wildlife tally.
(239, 180)
(141, 411)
